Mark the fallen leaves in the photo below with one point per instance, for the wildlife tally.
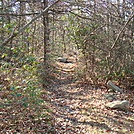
(80, 107)
(74, 107)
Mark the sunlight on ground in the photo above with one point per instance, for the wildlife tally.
(80, 107)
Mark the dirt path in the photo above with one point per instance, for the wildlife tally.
(79, 108)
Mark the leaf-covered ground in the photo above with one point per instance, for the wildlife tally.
(79, 108)
(70, 106)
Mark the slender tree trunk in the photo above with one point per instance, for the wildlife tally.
(45, 23)
(2, 22)
(63, 38)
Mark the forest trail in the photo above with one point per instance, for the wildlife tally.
(78, 108)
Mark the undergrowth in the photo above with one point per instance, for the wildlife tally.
(23, 107)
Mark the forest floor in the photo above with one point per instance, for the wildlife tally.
(79, 108)
(68, 106)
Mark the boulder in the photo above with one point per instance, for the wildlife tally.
(63, 59)
(118, 104)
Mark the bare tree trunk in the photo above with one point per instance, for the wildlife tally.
(63, 37)
(2, 22)
(45, 23)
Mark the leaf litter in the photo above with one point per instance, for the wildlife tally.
(79, 107)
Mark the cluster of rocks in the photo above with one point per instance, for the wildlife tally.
(114, 103)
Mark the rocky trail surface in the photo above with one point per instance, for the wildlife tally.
(79, 108)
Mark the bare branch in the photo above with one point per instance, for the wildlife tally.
(83, 17)
(11, 104)
(129, 19)
(15, 34)
(13, 14)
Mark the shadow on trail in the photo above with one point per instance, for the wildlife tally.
(91, 123)
(67, 98)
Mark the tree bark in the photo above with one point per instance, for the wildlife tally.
(46, 34)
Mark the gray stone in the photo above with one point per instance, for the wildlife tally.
(63, 59)
(113, 86)
(123, 105)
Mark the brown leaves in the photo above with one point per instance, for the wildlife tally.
(80, 108)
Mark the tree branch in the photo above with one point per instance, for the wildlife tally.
(129, 19)
(83, 17)
(13, 14)
(38, 16)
